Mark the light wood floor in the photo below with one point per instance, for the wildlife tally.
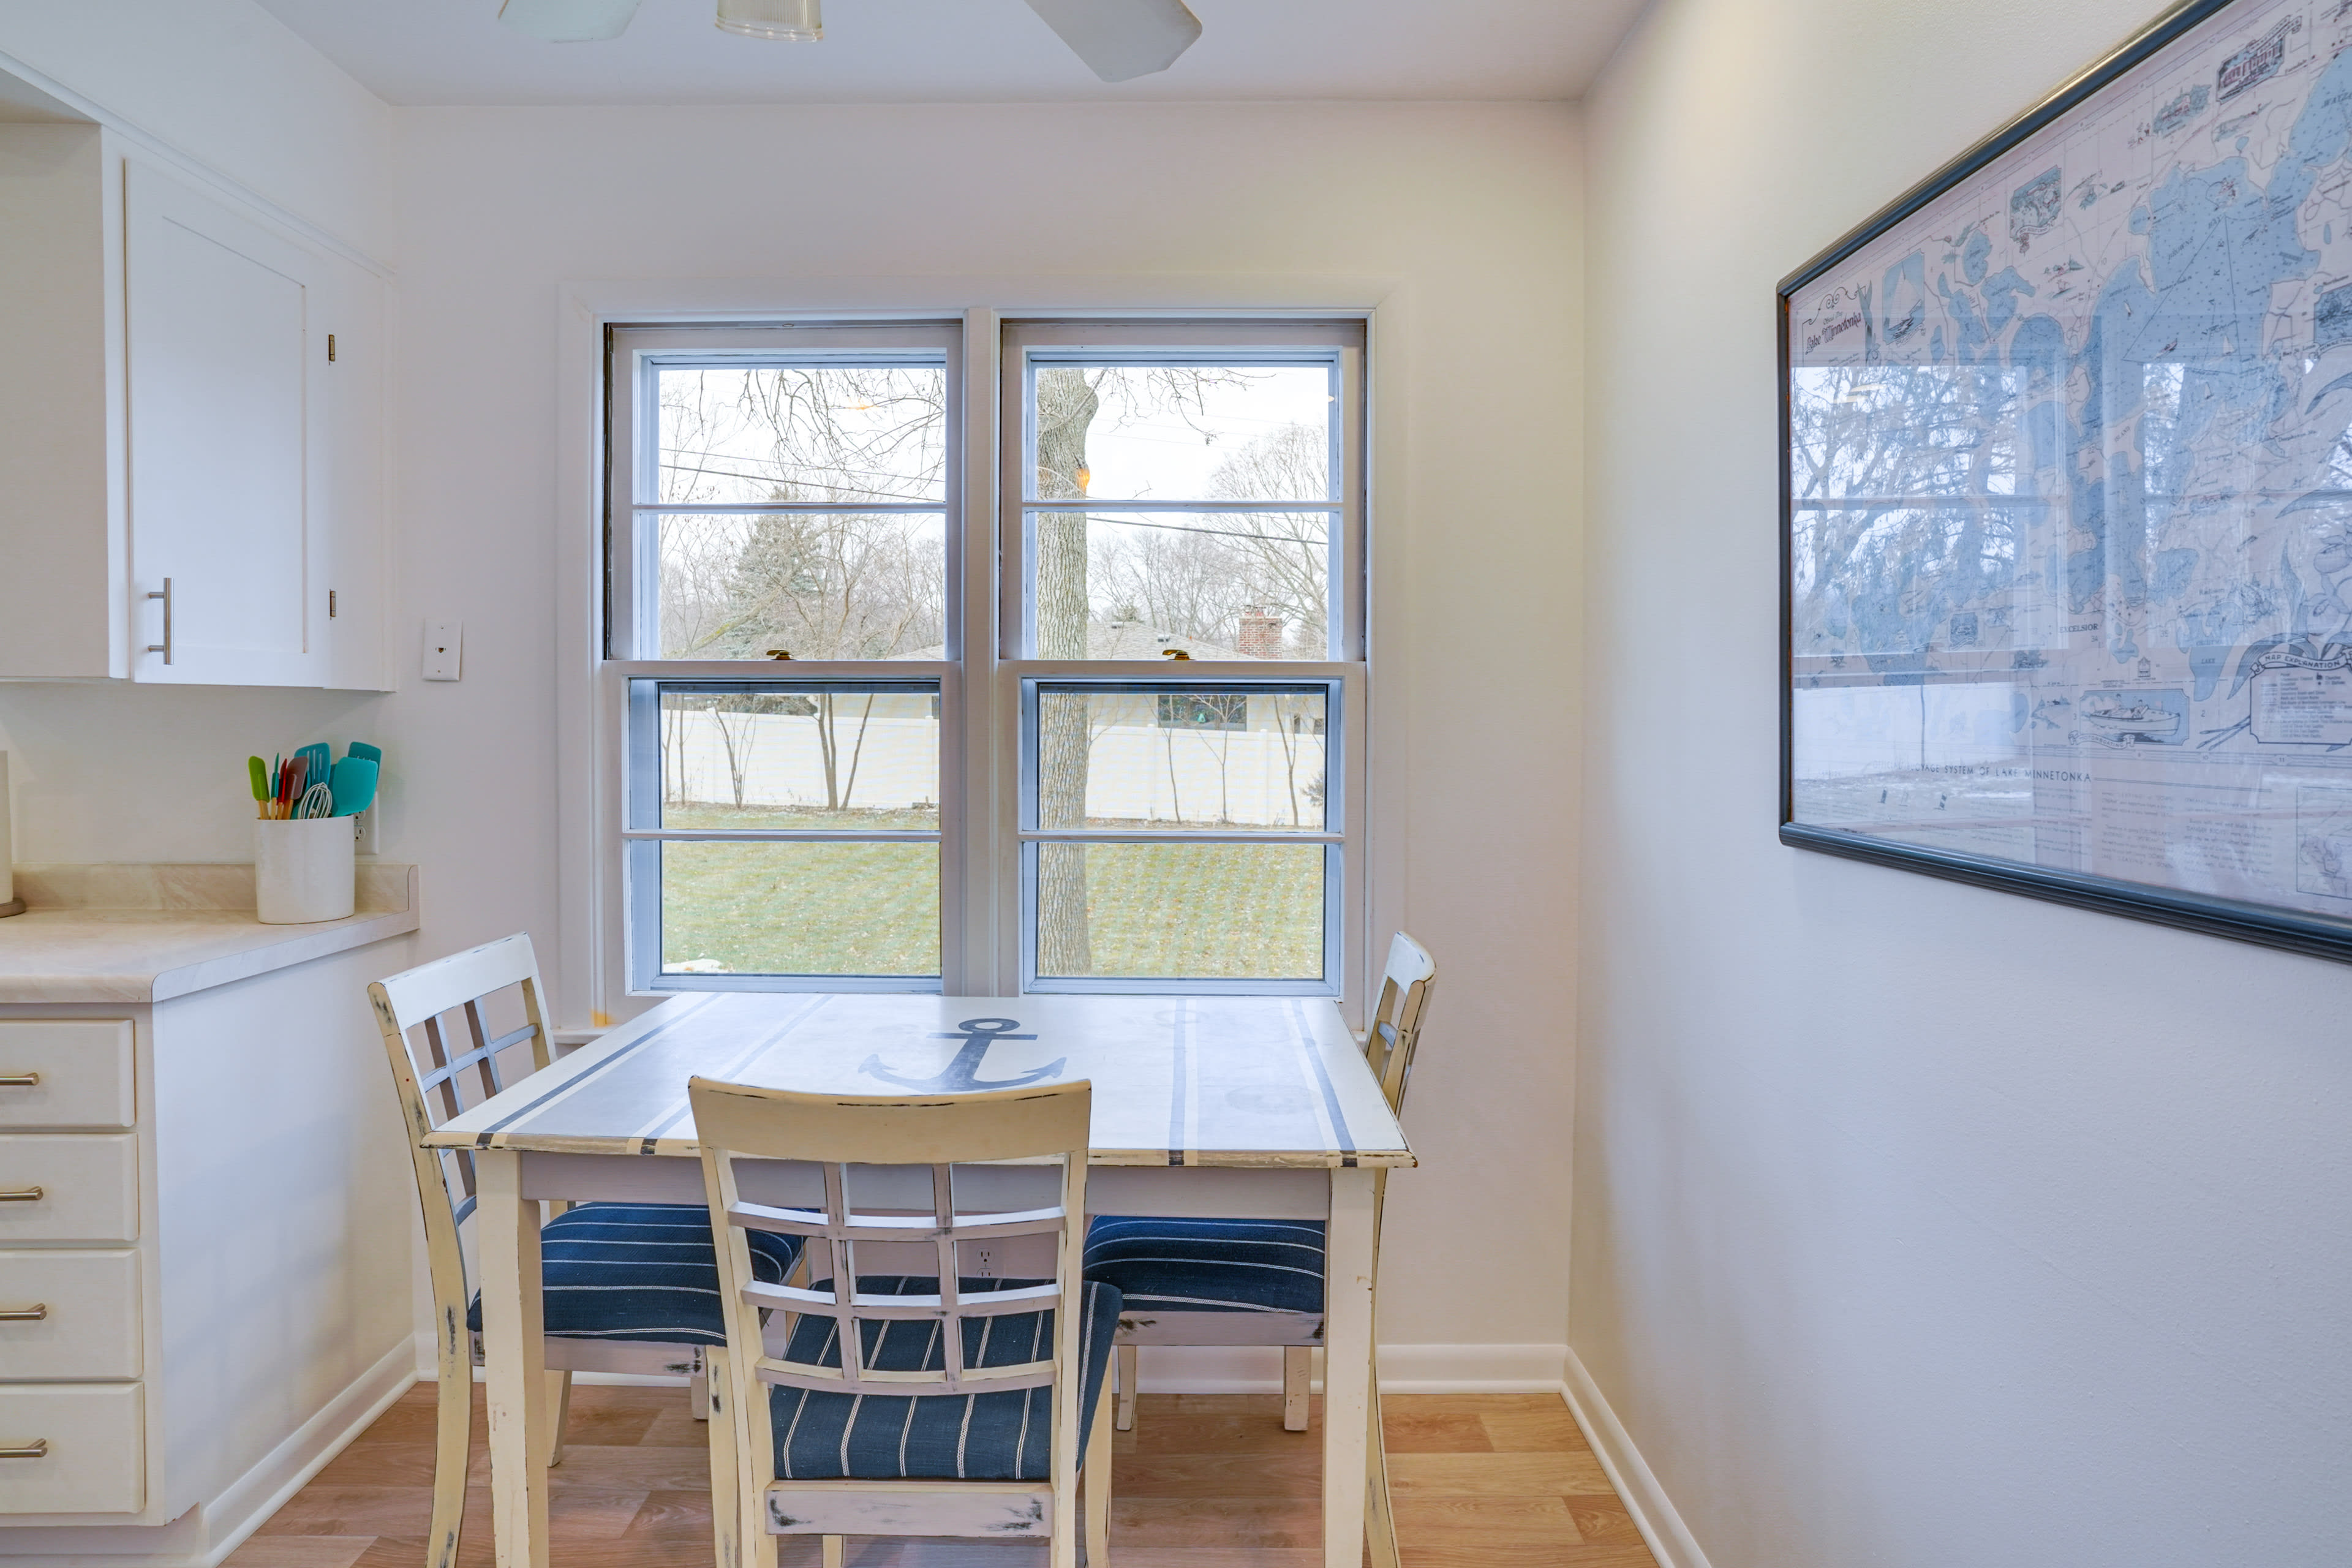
(1204, 1482)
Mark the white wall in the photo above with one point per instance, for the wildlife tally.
(1916, 1226)
(1470, 211)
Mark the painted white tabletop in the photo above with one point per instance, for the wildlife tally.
(1253, 1082)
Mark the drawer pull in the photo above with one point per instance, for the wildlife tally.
(38, 1448)
(20, 1079)
(22, 1196)
(31, 1314)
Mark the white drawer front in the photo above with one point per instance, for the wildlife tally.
(95, 1448)
(89, 1322)
(82, 1067)
(88, 1187)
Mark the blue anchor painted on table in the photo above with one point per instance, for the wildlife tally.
(963, 1074)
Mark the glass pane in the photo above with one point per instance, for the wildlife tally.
(849, 760)
(1179, 432)
(1195, 912)
(1248, 584)
(734, 434)
(800, 908)
(825, 585)
(1183, 758)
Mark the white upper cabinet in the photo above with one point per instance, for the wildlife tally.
(223, 405)
(204, 506)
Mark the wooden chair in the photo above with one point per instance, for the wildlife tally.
(629, 1287)
(931, 1403)
(1251, 1281)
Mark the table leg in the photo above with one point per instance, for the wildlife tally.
(1380, 1525)
(514, 1359)
(1347, 1366)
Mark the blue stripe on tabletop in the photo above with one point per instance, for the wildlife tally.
(586, 1073)
(734, 1068)
(1001, 1437)
(1314, 1051)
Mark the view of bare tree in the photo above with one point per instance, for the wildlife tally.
(1199, 574)
(836, 571)
(833, 583)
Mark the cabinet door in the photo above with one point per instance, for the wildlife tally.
(222, 406)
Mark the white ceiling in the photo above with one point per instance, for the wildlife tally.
(966, 51)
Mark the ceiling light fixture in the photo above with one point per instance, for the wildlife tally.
(785, 21)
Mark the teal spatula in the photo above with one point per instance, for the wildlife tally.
(353, 785)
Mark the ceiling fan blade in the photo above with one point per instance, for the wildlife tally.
(1121, 39)
(569, 21)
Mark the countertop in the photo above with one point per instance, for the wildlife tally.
(148, 934)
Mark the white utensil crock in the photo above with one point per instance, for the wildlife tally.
(304, 870)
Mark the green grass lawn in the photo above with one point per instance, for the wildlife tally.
(1205, 910)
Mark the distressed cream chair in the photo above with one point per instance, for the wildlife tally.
(1250, 1281)
(927, 1403)
(629, 1287)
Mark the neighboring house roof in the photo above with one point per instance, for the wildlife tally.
(1138, 640)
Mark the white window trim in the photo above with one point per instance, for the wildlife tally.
(590, 971)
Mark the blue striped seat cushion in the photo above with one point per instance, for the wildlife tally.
(1209, 1265)
(642, 1272)
(1001, 1437)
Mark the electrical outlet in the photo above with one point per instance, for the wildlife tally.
(363, 831)
(444, 645)
(983, 1263)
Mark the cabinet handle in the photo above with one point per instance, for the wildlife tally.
(164, 647)
(20, 1079)
(38, 1448)
(22, 1196)
(35, 1313)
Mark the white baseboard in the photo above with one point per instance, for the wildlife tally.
(262, 1491)
(1655, 1515)
(1258, 1369)
(1405, 1369)
(205, 1535)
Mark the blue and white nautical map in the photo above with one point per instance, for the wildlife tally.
(2071, 466)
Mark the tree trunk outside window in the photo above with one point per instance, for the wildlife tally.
(1065, 407)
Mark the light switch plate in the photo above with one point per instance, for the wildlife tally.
(444, 644)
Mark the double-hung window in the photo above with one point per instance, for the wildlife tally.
(1082, 713)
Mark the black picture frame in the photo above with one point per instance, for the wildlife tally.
(2313, 934)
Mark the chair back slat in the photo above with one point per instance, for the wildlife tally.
(1395, 1027)
(414, 1011)
(734, 1122)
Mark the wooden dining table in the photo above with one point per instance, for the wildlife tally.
(1237, 1106)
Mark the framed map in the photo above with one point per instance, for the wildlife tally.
(2066, 490)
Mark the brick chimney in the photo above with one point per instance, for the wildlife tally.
(1261, 634)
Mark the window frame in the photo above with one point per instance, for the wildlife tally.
(986, 937)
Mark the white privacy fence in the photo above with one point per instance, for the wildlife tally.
(1141, 773)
